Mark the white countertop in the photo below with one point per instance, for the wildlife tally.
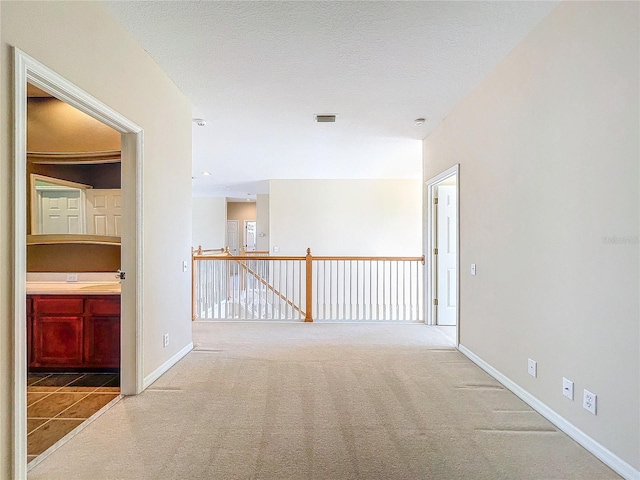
(100, 283)
(73, 288)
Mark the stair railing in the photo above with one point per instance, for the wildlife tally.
(337, 288)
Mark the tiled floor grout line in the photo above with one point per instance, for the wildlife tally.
(68, 384)
(58, 417)
(70, 406)
(55, 417)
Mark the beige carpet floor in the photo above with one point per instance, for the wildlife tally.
(322, 401)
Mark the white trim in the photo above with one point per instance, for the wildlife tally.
(27, 69)
(158, 372)
(19, 447)
(429, 242)
(609, 458)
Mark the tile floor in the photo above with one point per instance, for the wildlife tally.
(59, 402)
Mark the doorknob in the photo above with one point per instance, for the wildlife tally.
(120, 275)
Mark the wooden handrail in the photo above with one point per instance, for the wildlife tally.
(380, 259)
(245, 257)
(324, 258)
(201, 251)
(244, 252)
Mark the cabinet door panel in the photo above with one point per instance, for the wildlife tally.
(59, 305)
(104, 306)
(102, 341)
(57, 341)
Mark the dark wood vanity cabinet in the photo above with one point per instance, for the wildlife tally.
(73, 332)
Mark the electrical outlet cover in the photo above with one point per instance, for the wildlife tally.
(589, 401)
(532, 368)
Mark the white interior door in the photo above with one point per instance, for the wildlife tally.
(62, 211)
(250, 235)
(104, 211)
(446, 243)
(232, 236)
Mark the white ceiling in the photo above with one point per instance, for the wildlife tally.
(259, 71)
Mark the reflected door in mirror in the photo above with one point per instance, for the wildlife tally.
(104, 211)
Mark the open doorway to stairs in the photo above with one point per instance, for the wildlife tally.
(442, 193)
(29, 71)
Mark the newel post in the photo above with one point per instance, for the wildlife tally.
(309, 293)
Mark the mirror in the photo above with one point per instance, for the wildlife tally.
(64, 207)
(73, 173)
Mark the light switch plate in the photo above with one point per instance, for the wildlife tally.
(184, 266)
(473, 269)
(567, 388)
(532, 368)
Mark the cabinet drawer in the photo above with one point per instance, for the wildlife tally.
(59, 305)
(103, 306)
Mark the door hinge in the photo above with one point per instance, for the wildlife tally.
(435, 302)
(435, 251)
(435, 201)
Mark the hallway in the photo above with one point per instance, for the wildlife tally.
(321, 401)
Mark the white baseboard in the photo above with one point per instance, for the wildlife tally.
(621, 467)
(157, 373)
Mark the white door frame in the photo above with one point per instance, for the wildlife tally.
(27, 69)
(430, 271)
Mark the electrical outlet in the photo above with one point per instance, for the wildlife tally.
(532, 368)
(184, 265)
(72, 277)
(589, 401)
(473, 269)
(165, 340)
(276, 249)
(567, 388)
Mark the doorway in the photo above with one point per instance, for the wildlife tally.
(73, 253)
(232, 236)
(250, 235)
(28, 70)
(442, 194)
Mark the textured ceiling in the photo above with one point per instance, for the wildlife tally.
(259, 71)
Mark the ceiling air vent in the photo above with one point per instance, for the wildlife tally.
(325, 118)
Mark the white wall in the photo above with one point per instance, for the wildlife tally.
(548, 149)
(209, 221)
(262, 221)
(346, 217)
(83, 43)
